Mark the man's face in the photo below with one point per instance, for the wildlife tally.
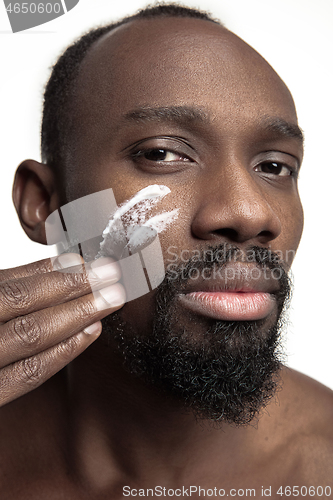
(186, 104)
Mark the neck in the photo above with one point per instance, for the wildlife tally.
(121, 428)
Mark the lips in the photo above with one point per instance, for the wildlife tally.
(238, 293)
(230, 306)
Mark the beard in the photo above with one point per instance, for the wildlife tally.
(225, 371)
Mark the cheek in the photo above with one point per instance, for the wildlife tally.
(177, 244)
(297, 222)
(291, 231)
(139, 313)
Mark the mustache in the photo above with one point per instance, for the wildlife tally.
(216, 258)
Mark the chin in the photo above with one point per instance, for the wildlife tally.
(225, 372)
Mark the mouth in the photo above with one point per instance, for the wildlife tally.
(238, 294)
(230, 306)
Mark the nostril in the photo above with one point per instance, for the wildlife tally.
(266, 234)
(239, 236)
(229, 233)
(265, 237)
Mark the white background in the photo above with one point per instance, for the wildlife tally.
(296, 37)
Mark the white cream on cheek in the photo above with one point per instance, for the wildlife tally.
(129, 229)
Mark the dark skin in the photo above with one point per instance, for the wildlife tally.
(93, 428)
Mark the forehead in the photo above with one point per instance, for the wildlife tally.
(163, 62)
(167, 61)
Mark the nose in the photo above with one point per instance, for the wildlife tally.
(236, 206)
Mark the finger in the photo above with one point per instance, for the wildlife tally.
(19, 297)
(27, 374)
(29, 335)
(41, 267)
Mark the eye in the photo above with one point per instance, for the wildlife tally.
(160, 155)
(275, 168)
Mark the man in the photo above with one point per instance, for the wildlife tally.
(184, 388)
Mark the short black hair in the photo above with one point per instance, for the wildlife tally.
(61, 83)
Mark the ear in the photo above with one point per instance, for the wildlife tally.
(35, 197)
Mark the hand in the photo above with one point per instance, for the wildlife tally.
(49, 315)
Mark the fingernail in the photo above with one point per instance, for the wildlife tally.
(93, 329)
(66, 260)
(106, 268)
(110, 296)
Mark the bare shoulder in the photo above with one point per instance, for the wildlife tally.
(307, 398)
(306, 407)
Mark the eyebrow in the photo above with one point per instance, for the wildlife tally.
(178, 114)
(188, 115)
(283, 128)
